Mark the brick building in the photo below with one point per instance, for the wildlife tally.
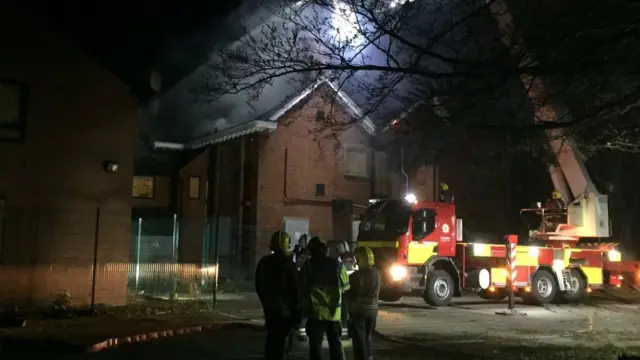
(281, 170)
(64, 123)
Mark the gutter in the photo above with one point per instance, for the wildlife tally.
(227, 134)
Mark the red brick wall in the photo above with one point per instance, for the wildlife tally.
(312, 158)
(193, 211)
(79, 116)
(421, 181)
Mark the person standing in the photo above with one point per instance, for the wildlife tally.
(323, 282)
(363, 303)
(279, 292)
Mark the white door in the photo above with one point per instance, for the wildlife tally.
(355, 227)
(296, 227)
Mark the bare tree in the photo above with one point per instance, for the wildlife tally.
(391, 54)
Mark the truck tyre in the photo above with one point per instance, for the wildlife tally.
(543, 287)
(389, 295)
(497, 295)
(439, 289)
(580, 293)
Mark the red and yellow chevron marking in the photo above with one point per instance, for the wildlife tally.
(528, 258)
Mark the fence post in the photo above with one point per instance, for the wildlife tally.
(94, 275)
(510, 242)
(138, 245)
(174, 261)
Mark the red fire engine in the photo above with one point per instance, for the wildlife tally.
(419, 247)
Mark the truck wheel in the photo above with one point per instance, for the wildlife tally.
(543, 287)
(496, 295)
(390, 295)
(580, 286)
(439, 289)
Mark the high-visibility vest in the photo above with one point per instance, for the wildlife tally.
(327, 279)
(366, 282)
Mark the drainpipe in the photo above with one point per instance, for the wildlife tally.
(241, 198)
(402, 169)
(434, 167)
(213, 228)
(372, 172)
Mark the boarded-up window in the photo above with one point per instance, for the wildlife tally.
(194, 187)
(12, 112)
(357, 159)
(143, 186)
(2, 218)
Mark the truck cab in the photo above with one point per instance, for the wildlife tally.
(405, 237)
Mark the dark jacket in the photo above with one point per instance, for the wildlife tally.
(364, 291)
(277, 285)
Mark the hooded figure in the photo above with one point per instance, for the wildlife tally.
(363, 303)
(323, 282)
(278, 289)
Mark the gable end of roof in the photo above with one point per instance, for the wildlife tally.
(365, 122)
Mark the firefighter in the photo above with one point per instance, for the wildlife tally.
(323, 282)
(363, 303)
(279, 292)
(556, 202)
(554, 212)
(445, 195)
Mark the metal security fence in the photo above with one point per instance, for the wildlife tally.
(87, 256)
(106, 284)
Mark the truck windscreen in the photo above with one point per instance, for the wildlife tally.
(384, 220)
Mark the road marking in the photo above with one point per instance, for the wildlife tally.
(433, 325)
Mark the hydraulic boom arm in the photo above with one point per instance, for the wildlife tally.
(588, 210)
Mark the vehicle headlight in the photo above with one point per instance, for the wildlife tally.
(614, 255)
(398, 272)
(484, 278)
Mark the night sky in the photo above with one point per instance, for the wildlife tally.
(132, 38)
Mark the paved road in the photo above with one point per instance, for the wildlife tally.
(603, 317)
(593, 324)
(599, 321)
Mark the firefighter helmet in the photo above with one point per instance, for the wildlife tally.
(280, 240)
(316, 246)
(556, 195)
(444, 186)
(364, 257)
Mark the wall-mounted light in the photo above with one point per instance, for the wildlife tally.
(111, 166)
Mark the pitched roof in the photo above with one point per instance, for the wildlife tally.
(346, 101)
(268, 120)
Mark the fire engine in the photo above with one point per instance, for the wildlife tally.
(420, 249)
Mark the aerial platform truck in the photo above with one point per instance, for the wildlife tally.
(420, 249)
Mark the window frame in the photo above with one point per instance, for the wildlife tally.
(348, 170)
(153, 186)
(199, 188)
(3, 227)
(20, 126)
